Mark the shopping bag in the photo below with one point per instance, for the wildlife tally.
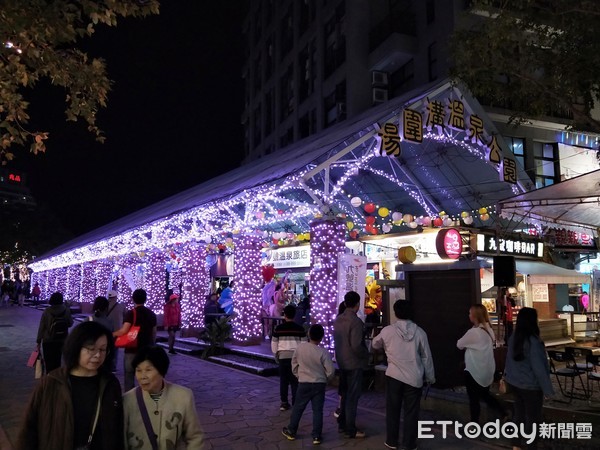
(503, 387)
(39, 369)
(129, 339)
(33, 358)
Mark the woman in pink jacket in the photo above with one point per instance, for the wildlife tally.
(172, 319)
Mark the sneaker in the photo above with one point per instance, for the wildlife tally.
(288, 434)
(284, 406)
(389, 446)
(337, 413)
(359, 435)
(316, 440)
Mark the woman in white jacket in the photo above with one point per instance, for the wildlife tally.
(479, 362)
(171, 421)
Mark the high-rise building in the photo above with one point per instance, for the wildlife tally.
(313, 63)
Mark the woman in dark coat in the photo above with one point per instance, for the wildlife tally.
(63, 405)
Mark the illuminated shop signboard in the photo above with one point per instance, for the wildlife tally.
(287, 257)
(567, 238)
(487, 243)
(449, 243)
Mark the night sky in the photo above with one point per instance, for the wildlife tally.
(172, 122)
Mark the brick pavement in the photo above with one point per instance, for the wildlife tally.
(237, 410)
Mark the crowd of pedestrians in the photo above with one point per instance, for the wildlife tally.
(82, 394)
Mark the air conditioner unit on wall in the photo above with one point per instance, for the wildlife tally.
(379, 95)
(379, 79)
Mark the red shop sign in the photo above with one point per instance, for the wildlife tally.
(448, 243)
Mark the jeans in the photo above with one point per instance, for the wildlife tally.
(315, 394)
(398, 393)
(350, 390)
(528, 411)
(129, 382)
(476, 393)
(287, 378)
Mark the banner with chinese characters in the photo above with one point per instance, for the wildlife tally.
(442, 117)
(287, 257)
(352, 271)
(567, 238)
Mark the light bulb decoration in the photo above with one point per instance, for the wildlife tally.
(326, 245)
(247, 296)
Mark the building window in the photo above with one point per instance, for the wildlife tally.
(306, 66)
(269, 116)
(517, 145)
(257, 25)
(287, 33)
(430, 11)
(402, 79)
(287, 93)
(335, 41)
(307, 15)
(287, 138)
(547, 170)
(269, 57)
(257, 127)
(257, 75)
(432, 61)
(307, 124)
(335, 105)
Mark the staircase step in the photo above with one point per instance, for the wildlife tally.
(247, 364)
(184, 347)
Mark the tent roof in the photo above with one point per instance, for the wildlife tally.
(572, 203)
(447, 172)
(543, 273)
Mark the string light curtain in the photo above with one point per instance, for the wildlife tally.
(196, 284)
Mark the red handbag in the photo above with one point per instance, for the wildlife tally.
(129, 339)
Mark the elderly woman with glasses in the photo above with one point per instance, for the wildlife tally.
(78, 406)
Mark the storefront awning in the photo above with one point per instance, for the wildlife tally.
(574, 203)
(543, 273)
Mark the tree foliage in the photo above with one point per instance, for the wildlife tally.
(38, 40)
(535, 57)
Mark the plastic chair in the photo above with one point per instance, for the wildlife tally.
(570, 371)
(578, 352)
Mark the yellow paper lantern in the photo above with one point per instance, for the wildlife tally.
(349, 225)
(383, 211)
(465, 214)
(482, 211)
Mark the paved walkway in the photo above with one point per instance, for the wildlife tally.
(237, 410)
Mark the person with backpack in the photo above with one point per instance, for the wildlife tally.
(53, 331)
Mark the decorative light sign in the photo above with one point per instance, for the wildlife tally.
(449, 243)
(487, 243)
(287, 257)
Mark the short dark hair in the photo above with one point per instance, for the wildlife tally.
(403, 310)
(100, 304)
(316, 332)
(86, 333)
(155, 355)
(289, 311)
(351, 299)
(56, 299)
(139, 296)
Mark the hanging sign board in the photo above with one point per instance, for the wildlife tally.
(448, 243)
(287, 257)
(352, 272)
(540, 293)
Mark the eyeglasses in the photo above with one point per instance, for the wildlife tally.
(94, 351)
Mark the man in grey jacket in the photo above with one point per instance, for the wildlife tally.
(352, 356)
(409, 363)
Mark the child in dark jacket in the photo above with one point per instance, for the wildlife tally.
(313, 367)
